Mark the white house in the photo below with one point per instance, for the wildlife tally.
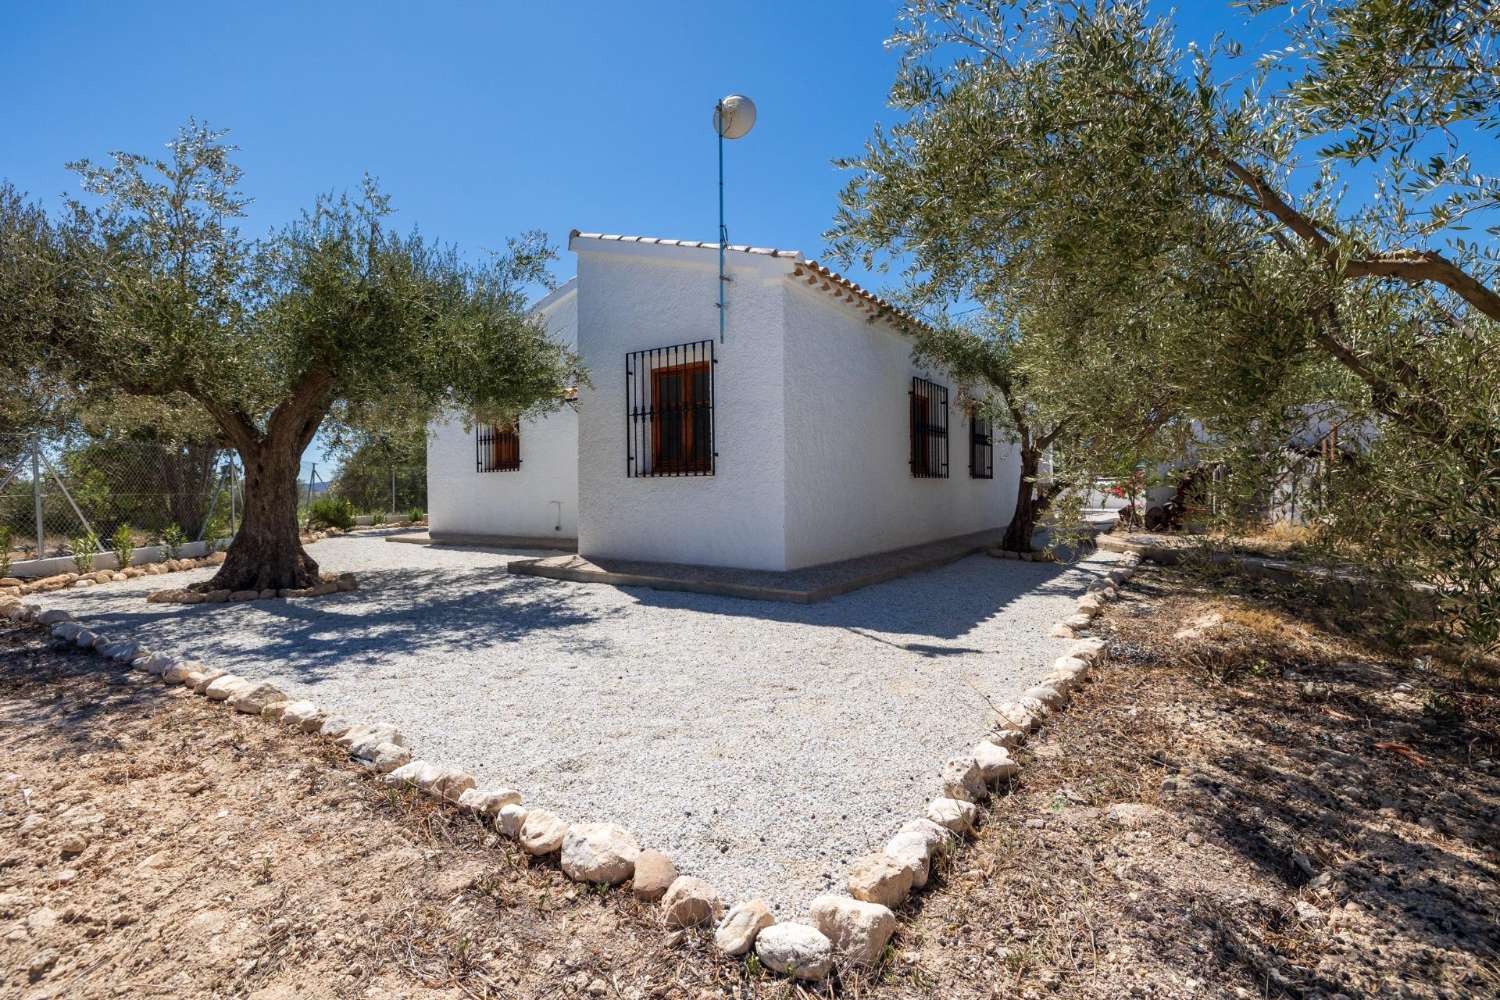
(805, 436)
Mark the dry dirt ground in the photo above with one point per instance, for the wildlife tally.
(1261, 807)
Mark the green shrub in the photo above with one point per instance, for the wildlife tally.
(4, 550)
(85, 548)
(331, 512)
(171, 541)
(415, 514)
(377, 518)
(123, 546)
(213, 532)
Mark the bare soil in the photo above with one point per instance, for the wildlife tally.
(1247, 803)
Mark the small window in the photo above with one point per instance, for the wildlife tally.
(670, 411)
(981, 447)
(929, 429)
(497, 449)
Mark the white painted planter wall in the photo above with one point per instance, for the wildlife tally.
(34, 569)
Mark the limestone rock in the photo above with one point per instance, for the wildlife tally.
(599, 852)
(994, 762)
(542, 832)
(84, 639)
(1013, 715)
(1087, 650)
(302, 715)
(510, 818)
(52, 616)
(254, 698)
(245, 595)
(180, 670)
(794, 949)
(157, 663)
(962, 780)
(952, 814)
(489, 801)
(937, 837)
(858, 930)
(225, 687)
(654, 874)
(336, 726)
(913, 852)
(201, 685)
(1062, 630)
(690, 901)
(415, 772)
(738, 930)
(388, 756)
(449, 784)
(879, 878)
(1049, 696)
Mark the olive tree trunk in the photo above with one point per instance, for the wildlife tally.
(267, 552)
(1029, 506)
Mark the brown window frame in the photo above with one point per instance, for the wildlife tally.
(497, 448)
(695, 461)
(669, 411)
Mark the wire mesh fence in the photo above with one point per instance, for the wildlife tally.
(54, 494)
(383, 490)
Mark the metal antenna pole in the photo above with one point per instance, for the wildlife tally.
(723, 233)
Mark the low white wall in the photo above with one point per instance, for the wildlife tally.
(850, 490)
(632, 299)
(31, 569)
(538, 500)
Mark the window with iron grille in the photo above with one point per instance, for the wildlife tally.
(929, 429)
(981, 447)
(669, 411)
(497, 449)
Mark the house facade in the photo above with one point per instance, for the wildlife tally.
(805, 436)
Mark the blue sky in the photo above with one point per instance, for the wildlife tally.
(479, 119)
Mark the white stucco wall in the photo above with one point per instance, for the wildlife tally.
(850, 490)
(538, 500)
(630, 299)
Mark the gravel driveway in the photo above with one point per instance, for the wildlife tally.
(762, 746)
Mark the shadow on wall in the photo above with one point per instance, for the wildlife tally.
(944, 603)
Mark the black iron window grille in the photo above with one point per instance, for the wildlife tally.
(981, 447)
(929, 429)
(497, 449)
(669, 411)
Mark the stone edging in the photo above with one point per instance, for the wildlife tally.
(853, 928)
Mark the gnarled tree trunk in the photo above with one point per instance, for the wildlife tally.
(267, 550)
(1029, 506)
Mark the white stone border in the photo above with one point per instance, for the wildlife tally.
(854, 928)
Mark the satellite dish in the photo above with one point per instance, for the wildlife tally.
(738, 116)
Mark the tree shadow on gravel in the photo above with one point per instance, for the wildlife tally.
(395, 613)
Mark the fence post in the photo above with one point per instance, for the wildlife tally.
(36, 496)
(393, 492)
(233, 506)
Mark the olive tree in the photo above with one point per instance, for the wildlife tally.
(266, 336)
(1183, 216)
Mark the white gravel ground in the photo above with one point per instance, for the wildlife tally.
(762, 746)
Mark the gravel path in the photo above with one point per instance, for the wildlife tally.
(762, 746)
